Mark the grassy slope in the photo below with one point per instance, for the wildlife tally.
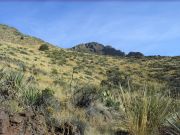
(88, 68)
(59, 65)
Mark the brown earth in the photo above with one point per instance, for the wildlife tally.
(30, 123)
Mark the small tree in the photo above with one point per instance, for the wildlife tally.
(44, 47)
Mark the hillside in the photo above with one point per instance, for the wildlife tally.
(71, 75)
(12, 35)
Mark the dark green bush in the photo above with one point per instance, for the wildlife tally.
(54, 71)
(47, 101)
(115, 78)
(31, 95)
(44, 47)
(85, 96)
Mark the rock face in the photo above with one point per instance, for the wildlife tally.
(97, 48)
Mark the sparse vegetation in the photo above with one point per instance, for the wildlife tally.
(88, 94)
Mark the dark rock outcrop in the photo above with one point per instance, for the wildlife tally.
(135, 54)
(97, 48)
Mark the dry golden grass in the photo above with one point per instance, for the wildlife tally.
(39, 65)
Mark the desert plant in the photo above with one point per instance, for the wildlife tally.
(144, 112)
(174, 125)
(15, 88)
(115, 78)
(44, 47)
(47, 102)
(108, 97)
(30, 96)
(54, 71)
(85, 96)
(12, 83)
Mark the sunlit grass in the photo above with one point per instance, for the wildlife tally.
(144, 112)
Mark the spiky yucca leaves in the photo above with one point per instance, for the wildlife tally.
(14, 86)
(31, 95)
(174, 123)
(144, 112)
(11, 84)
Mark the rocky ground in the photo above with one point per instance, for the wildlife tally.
(31, 123)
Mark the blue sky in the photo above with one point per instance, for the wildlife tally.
(149, 27)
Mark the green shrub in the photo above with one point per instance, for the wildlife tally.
(47, 93)
(44, 47)
(85, 96)
(11, 84)
(108, 97)
(14, 86)
(54, 71)
(115, 78)
(30, 96)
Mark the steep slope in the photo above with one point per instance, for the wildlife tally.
(12, 35)
(24, 53)
(97, 48)
(66, 71)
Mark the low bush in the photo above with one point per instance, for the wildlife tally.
(115, 78)
(85, 96)
(44, 47)
(54, 71)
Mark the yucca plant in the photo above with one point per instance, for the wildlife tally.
(31, 95)
(144, 112)
(174, 124)
(11, 84)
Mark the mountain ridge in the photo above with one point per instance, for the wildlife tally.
(13, 35)
(98, 48)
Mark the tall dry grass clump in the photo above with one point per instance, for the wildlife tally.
(144, 112)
